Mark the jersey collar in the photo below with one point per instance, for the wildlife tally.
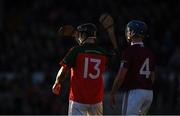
(137, 43)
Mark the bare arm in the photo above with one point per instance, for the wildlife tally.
(119, 80)
(59, 79)
(61, 74)
(117, 83)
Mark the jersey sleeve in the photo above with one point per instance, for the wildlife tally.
(126, 59)
(69, 59)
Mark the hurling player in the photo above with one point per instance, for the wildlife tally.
(136, 73)
(87, 63)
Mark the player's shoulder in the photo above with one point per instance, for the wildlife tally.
(128, 49)
(148, 50)
(151, 53)
(74, 49)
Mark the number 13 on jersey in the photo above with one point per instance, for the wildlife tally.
(96, 67)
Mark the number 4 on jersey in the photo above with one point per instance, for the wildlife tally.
(145, 68)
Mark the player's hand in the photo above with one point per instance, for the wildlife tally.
(56, 88)
(68, 31)
(112, 101)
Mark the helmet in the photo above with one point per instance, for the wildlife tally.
(136, 28)
(87, 30)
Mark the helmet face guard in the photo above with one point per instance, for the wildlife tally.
(129, 34)
(135, 28)
(87, 30)
(80, 39)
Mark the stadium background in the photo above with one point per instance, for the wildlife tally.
(30, 50)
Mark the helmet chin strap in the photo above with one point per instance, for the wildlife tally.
(93, 37)
(84, 40)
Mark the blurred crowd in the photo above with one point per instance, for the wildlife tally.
(30, 49)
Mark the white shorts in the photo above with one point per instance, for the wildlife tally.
(136, 102)
(76, 108)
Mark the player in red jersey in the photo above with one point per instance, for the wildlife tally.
(136, 73)
(87, 63)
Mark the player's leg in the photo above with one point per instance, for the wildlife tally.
(124, 102)
(96, 109)
(131, 103)
(147, 102)
(76, 108)
(134, 102)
